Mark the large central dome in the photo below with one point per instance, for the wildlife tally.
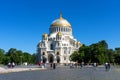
(60, 22)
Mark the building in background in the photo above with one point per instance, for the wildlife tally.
(59, 44)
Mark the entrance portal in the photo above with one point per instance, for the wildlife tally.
(50, 58)
(44, 59)
(58, 59)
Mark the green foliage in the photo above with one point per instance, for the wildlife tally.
(17, 56)
(2, 55)
(117, 55)
(97, 52)
(74, 56)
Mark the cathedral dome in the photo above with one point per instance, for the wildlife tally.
(60, 22)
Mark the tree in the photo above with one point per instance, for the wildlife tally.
(83, 54)
(2, 55)
(14, 55)
(11, 51)
(6, 60)
(117, 55)
(96, 52)
(33, 58)
(74, 56)
(110, 54)
(27, 57)
(17, 56)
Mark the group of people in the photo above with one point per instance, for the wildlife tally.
(11, 65)
(72, 65)
(76, 65)
(53, 65)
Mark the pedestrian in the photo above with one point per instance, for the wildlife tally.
(71, 65)
(94, 65)
(39, 63)
(54, 65)
(13, 64)
(51, 65)
(82, 64)
(106, 66)
(9, 65)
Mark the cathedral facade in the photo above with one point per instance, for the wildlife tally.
(59, 44)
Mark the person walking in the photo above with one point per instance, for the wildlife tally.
(13, 64)
(54, 66)
(9, 65)
(51, 65)
(106, 66)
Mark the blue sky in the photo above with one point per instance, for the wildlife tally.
(22, 22)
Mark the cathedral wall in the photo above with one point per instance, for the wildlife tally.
(59, 42)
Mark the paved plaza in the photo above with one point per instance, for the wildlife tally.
(65, 73)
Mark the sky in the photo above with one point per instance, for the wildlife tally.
(22, 22)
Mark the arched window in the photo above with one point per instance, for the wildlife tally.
(58, 44)
(59, 29)
(62, 29)
(58, 53)
(51, 47)
(43, 53)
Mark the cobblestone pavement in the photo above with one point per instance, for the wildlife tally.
(65, 73)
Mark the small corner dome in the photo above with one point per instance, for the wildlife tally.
(60, 22)
(45, 35)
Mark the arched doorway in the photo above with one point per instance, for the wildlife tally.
(50, 58)
(44, 59)
(58, 59)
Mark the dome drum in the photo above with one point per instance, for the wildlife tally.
(60, 25)
(60, 29)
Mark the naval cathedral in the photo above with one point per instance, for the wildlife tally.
(59, 44)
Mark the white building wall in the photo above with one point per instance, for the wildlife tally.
(67, 43)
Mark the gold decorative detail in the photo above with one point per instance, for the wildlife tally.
(59, 34)
(45, 35)
(60, 22)
(77, 43)
(80, 45)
